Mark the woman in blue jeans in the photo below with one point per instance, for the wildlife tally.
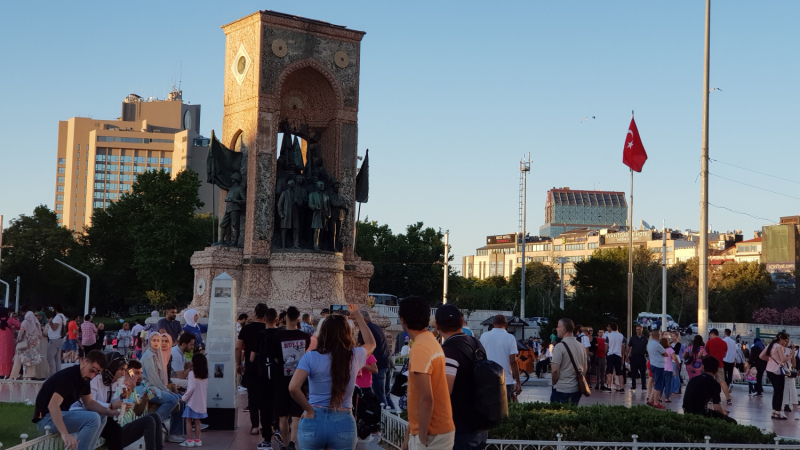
(331, 371)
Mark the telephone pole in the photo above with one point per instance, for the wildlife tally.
(446, 266)
(702, 288)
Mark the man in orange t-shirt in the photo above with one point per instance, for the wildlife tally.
(430, 415)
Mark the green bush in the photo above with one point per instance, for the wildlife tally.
(603, 423)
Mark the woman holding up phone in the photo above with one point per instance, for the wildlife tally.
(331, 370)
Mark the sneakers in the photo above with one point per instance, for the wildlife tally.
(621, 390)
(174, 438)
(198, 443)
(797, 416)
(606, 389)
(246, 409)
(266, 445)
(187, 443)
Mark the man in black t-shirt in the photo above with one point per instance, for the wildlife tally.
(637, 349)
(459, 370)
(246, 344)
(284, 348)
(63, 389)
(266, 371)
(705, 388)
(169, 324)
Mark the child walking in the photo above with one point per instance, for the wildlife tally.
(751, 377)
(195, 398)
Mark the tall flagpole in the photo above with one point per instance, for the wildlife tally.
(630, 262)
(702, 288)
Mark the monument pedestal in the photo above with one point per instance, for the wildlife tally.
(310, 280)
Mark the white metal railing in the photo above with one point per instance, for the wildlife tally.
(391, 311)
(47, 441)
(393, 430)
(19, 391)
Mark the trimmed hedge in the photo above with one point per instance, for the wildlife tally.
(604, 423)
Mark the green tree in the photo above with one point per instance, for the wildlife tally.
(409, 263)
(542, 287)
(144, 241)
(35, 242)
(737, 289)
(682, 291)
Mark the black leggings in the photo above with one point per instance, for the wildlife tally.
(778, 381)
(148, 426)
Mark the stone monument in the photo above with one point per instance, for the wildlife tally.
(300, 77)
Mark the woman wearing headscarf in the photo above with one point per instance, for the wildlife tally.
(760, 365)
(155, 373)
(191, 316)
(7, 328)
(119, 436)
(28, 353)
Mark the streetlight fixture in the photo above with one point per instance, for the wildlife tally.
(562, 260)
(88, 284)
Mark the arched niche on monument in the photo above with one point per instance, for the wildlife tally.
(307, 144)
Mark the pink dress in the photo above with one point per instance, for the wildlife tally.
(7, 347)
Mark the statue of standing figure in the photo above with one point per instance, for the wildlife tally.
(290, 217)
(234, 204)
(338, 210)
(319, 204)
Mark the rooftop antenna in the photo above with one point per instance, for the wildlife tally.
(180, 80)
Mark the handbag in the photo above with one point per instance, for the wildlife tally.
(22, 346)
(583, 386)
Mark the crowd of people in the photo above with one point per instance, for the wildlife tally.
(306, 385)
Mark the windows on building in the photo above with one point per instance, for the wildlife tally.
(139, 159)
(166, 160)
(111, 195)
(574, 259)
(492, 269)
(162, 141)
(99, 176)
(100, 167)
(593, 245)
(112, 167)
(125, 168)
(111, 186)
(98, 195)
(500, 271)
(126, 159)
(99, 185)
(125, 177)
(60, 180)
(152, 160)
(570, 247)
(60, 189)
(482, 252)
(112, 158)
(62, 170)
(59, 216)
(100, 157)
(59, 207)
(570, 271)
(556, 248)
(111, 176)
(138, 169)
(60, 197)
(98, 204)
(62, 161)
(124, 187)
(537, 247)
(167, 169)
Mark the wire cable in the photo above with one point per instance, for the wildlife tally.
(754, 171)
(743, 213)
(755, 187)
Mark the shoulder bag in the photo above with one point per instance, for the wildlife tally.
(583, 386)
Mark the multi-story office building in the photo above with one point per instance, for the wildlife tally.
(566, 209)
(781, 250)
(98, 160)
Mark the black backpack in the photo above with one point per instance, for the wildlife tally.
(490, 399)
(368, 413)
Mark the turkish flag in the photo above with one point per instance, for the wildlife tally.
(634, 155)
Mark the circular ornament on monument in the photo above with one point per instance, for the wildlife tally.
(279, 48)
(201, 286)
(341, 59)
(241, 64)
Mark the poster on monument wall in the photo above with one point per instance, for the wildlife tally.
(220, 347)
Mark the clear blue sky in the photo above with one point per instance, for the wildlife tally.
(452, 95)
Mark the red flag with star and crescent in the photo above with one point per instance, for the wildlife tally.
(634, 155)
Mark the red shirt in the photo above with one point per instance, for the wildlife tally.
(601, 348)
(717, 348)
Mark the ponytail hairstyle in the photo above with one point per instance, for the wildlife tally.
(778, 337)
(335, 339)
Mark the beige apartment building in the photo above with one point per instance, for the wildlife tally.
(99, 160)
